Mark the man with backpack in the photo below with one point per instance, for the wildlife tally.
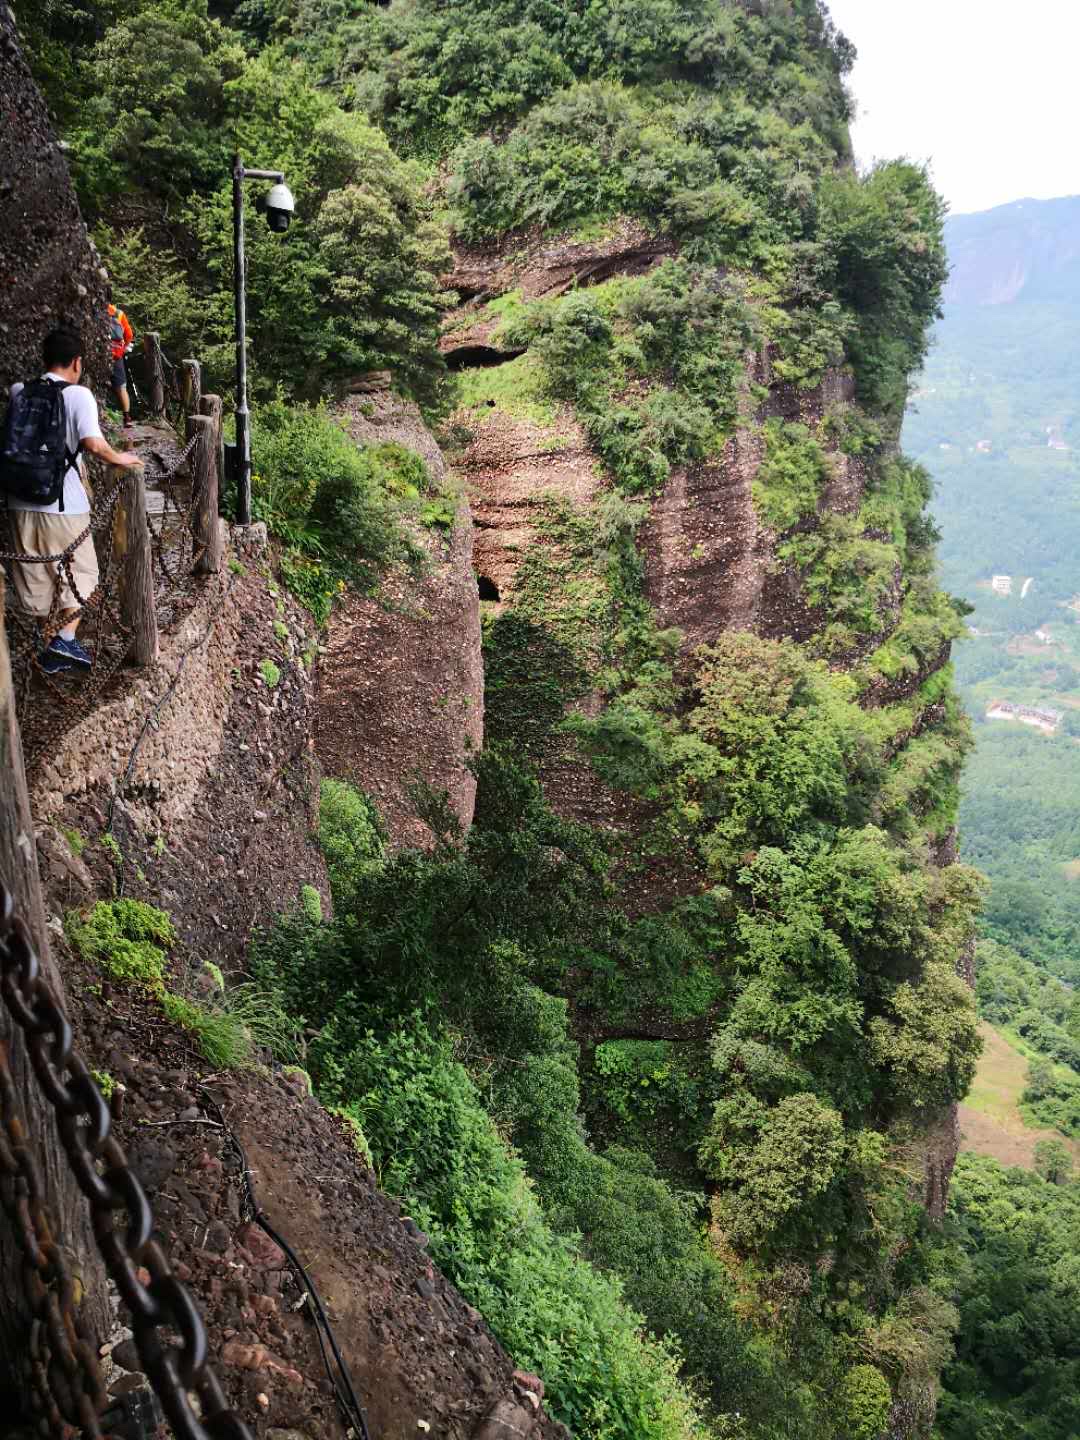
(49, 423)
(121, 337)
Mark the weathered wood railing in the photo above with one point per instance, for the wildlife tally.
(203, 426)
(145, 550)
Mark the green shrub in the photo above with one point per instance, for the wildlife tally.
(887, 263)
(352, 838)
(434, 1145)
(865, 1400)
(792, 476)
(311, 903)
(222, 1037)
(333, 503)
(185, 61)
(131, 941)
(355, 287)
(127, 939)
(653, 366)
(156, 293)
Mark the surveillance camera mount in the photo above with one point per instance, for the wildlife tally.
(277, 215)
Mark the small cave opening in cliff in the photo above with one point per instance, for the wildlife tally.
(487, 588)
(479, 357)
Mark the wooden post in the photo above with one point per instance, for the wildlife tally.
(212, 405)
(191, 385)
(131, 551)
(205, 530)
(18, 868)
(155, 371)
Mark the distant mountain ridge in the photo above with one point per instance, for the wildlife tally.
(1028, 250)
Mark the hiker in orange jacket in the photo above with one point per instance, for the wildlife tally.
(121, 336)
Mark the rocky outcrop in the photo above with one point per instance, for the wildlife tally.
(941, 1146)
(50, 274)
(884, 690)
(195, 786)
(510, 466)
(711, 563)
(401, 690)
(708, 558)
(546, 266)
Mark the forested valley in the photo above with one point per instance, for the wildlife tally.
(994, 418)
(660, 1046)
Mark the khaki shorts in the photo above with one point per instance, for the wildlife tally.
(38, 533)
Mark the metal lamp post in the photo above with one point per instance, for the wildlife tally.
(278, 206)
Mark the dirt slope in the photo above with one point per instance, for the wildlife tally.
(417, 1352)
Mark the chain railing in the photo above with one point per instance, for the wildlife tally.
(67, 1380)
(112, 617)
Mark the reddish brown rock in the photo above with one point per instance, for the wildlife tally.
(259, 1359)
(49, 271)
(401, 691)
(265, 1255)
(508, 1420)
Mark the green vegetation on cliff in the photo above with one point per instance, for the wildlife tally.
(443, 990)
(658, 1088)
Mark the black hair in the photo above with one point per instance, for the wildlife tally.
(61, 348)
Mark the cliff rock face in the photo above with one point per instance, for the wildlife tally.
(203, 774)
(545, 267)
(510, 466)
(710, 561)
(401, 694)
(50, 274)
(711, 564)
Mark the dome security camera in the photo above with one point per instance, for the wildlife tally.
(279, 207)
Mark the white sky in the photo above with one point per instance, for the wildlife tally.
(987, 90)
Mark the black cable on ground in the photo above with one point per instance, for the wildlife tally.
(342, 1383)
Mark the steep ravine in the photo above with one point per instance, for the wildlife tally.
(401, 694)
(215, 827)
(664, 1018)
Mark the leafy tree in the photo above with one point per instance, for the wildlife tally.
(866, 1398)
(1015, 1272)
(155, 115)
(353, 286)
(773, 1162)
(1053, 1161)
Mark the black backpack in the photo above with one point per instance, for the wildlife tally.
(34, 455)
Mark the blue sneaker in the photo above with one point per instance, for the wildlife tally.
(54, 664)
(69, 650)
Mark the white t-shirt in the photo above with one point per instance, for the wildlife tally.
(81, 410)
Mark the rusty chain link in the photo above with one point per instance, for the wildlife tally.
(64, 1364)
